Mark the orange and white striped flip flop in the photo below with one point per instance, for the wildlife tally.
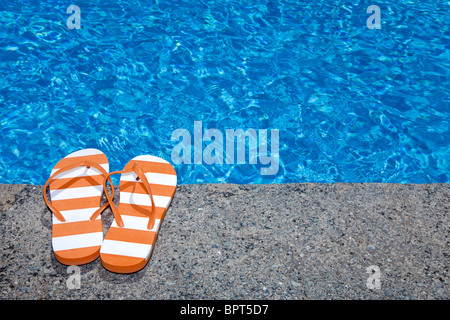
(76, 189)
(147, 187)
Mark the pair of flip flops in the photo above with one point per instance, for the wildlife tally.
(76, 185)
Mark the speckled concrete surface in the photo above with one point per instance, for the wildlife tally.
(291, 241)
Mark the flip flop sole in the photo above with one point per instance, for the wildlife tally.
(128, 249)
(77, 195)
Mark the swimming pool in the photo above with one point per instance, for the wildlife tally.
(351, 104)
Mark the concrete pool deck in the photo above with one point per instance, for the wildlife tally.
(220, 241)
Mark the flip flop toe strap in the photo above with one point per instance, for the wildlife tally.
(140, 176)
(86, 164)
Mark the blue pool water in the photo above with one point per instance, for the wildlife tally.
(351, 104)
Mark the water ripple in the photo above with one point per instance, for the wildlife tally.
(351, 104)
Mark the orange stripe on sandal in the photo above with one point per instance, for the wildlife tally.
(78, 256)
(140, 211)
(80, 203)
(98, 158)
(131, 235)
(136, 187)
(77, 182)
(79, 227)
(122, 264)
